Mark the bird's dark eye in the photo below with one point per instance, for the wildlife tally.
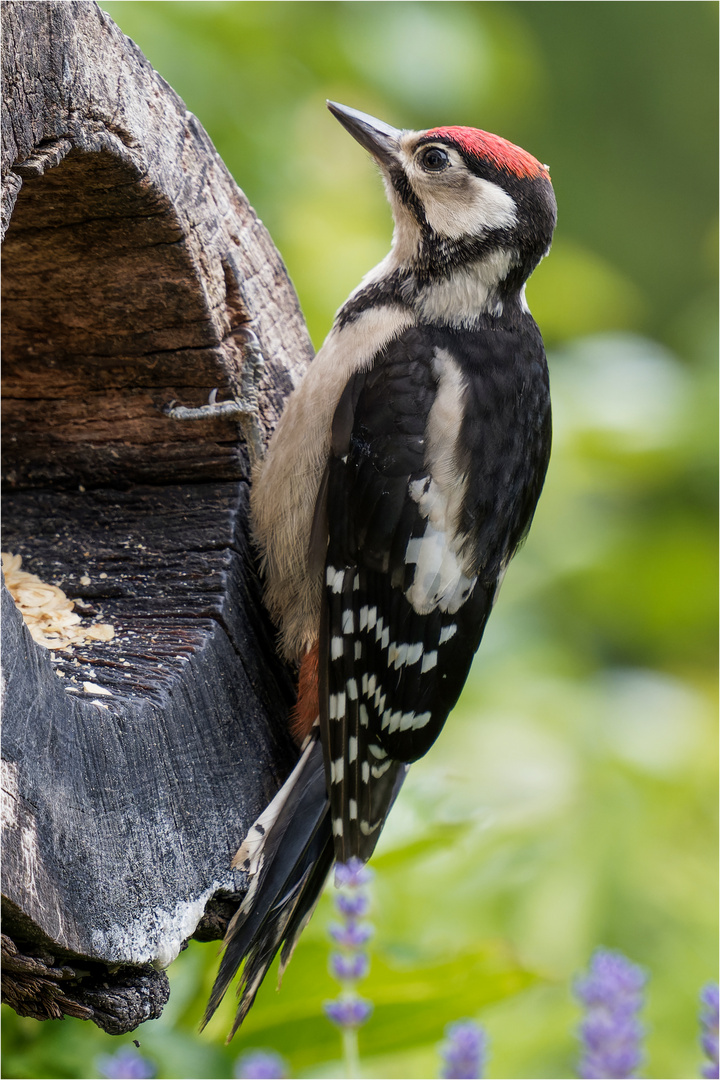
(434, 159)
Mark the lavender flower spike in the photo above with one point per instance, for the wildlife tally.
(611, 1033)
(260, 1065)
(350, 963)
(464, 1052)
(353, 874)
(126, 1064)
(709, 999)
(348, 1012)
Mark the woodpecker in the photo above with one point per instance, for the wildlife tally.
(401, 479)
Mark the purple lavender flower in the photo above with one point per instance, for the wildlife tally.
(611, 1032)
(260, 1065)
(349, 967)
(709, 1001)
(126, 1064)
(352, 874)
(350, 934)
(348, 1011)
(464, 1052)
(354, 905)
(350, 963)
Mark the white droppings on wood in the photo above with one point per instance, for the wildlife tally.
(156, 935)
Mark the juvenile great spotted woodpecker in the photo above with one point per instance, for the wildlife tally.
(399, 482)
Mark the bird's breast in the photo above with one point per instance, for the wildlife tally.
(285, 490)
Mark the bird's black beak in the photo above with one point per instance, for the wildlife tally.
(380, 139)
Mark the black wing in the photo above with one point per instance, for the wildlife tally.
(409, 584)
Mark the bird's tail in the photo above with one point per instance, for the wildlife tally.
(288, 854)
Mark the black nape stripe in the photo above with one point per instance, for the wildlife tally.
(390, 290)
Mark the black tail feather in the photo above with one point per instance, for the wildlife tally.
(322, 856)
(292, 864)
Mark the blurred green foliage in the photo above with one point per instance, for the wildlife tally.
(570, 801)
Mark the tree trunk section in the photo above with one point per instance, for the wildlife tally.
(132, 768)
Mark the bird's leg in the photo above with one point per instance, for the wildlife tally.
(243, 407)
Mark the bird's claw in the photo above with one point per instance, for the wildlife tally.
(244, 407)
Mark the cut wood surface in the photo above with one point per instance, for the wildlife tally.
(132, 768)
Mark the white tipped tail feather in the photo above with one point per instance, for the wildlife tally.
(289, 853)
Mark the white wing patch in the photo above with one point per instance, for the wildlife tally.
(336, 648)
(439, 579)
(337, 771)
(336, 706)
(334, 579)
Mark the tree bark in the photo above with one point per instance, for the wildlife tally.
(132, 768)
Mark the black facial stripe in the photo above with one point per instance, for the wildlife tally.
(407, 196)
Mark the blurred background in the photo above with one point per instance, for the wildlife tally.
(571, 799)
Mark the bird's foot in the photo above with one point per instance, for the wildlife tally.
(243, 407)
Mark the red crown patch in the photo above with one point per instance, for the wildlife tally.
(501, 153)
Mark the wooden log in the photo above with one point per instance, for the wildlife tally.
(132, 768)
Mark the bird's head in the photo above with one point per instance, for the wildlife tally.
(460, 196)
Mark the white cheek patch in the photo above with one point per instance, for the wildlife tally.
(470, 210)
(456, 202)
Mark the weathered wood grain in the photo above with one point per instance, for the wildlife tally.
(130, 261)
